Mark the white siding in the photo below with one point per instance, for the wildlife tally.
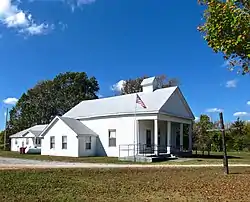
(14, 146)
(21, 142)
(124, 127)
(175, 105)
(82, 146)
(58, 130)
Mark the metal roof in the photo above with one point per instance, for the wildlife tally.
(124, 104)
(77, 126)
(34, 129)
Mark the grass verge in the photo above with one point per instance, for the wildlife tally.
(209, 184)
(214, 158)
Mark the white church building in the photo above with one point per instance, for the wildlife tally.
(146, 123)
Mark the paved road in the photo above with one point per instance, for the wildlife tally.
(16, 163)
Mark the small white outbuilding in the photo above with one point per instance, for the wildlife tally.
(28, 138)
(68, 137)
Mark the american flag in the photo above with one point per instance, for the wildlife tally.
(139, 101)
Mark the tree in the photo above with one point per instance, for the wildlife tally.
(201, 135)
(1, 140)
(40, 104)
(134, 85)
(227, 30)
(237, 136)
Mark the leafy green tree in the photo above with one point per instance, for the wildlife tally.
(40, 104)
(134, 85)
(1, 140)
(227, 30)
(202, 140)
(237, 136)
(247, 137)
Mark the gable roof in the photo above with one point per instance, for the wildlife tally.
(124, 105)
(34, 129)
(77, 126)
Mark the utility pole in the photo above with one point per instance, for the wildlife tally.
(223, 131)
(5, 132)
(225, 159)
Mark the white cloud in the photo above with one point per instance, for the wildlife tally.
(197, 118)
(248, 103)
(240, 114)
(10, 101)
(231, 83)
(14, 17)
(78, 3)
(37, 29)
(214, 110)
(118, 86)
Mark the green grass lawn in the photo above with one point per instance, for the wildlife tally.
(10, 154)
(203, 184)
(217, 158)
(214, 158)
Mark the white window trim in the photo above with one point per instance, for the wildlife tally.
(65, 142)
(109, 132)
(51, 142)
(88, 142)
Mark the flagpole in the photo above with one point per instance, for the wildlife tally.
(135, 128)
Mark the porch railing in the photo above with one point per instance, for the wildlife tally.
(141, 149)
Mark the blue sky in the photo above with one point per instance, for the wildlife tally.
(115, 40)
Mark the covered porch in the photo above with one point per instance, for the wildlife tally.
(164, 135)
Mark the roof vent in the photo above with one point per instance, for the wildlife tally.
(149, 84)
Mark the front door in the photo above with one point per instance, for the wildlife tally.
(149, 145)
(148, 138)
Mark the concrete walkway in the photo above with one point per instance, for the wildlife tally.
(15, 163)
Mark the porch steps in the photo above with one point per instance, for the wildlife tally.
(147, 159)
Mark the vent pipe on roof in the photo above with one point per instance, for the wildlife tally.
(149, 85)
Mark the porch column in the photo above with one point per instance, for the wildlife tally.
(156, 136)
(190, 145)
(181, 136)
(169, 144)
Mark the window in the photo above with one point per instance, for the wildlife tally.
(112, 138)
(15, 141)
(64, 142)
(38, 141)
(27, 141)
(148, 140)
(52, 142)
(88, 143)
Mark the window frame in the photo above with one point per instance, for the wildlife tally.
(27, 141)
(64, 143)
(52, 147)
(88, 143)
(112, 140)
